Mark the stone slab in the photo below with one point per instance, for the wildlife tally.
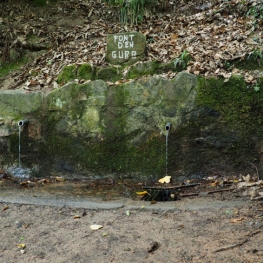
(125, 48)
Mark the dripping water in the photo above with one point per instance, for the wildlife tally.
(17, 170)
(166, 157)
(167, 129)
(19, 147)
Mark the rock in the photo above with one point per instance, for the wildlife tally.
(96, 128)
(14, 102)
(125, 48)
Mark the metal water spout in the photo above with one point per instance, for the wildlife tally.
(23, 122)
(168, 126)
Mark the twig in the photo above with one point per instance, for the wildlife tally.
(256, 169)
(206, 193)
(188, 195)
(241, 243)
(231, 246)
(254, 233)
(169, 187)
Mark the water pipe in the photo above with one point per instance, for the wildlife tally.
(168, 126)
(23, 122)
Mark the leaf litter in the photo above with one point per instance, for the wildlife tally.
(212, 36)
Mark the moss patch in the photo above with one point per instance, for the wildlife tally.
(110, 74)
(68, 73)
(252, 62)
(114, 74)
(240, 107)
(86, 72)
(235, 100)
(7, 68)
(141, 69)
(151, 68)
(113, 154)
(105, 152)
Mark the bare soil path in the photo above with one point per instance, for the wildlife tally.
(199, 229)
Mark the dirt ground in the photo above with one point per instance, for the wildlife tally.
(195, 229)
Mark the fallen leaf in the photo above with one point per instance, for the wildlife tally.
(214, 183)
(59, 179)
(5, 207)
(248, 184)
(237, 220)
(95, 227)
(165, 179)
(142, 193)
(247, 178)
(22, 246)
(77, 216)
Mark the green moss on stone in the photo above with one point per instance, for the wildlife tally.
(86, 71)
(151, 68)
(250, 62)
(6, 68)
(113, 154)
(105, 152)
(110, 74)
(240, 107)
(68, 73)
(167, 67)
(141, 69)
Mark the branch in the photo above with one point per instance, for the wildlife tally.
(231, 246)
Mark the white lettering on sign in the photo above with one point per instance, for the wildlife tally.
(124, 42)
(123, 54)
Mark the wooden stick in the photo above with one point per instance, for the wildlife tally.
(231, 246)
(206, 193)
(169, 187)
(188, 195)
(256, 170)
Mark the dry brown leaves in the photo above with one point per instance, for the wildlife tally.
(212, 36)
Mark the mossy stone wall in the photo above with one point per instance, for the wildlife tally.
(96, 129)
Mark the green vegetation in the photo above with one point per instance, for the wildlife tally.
(151, 68)
(86, 72)
(68, 73)
(256, 55)
(111, 151)
(239, 105)
(109, 74)
(141, 69)
(256, 11)
(7, 68)
(132, 11)
(252, 61)
(183, 60)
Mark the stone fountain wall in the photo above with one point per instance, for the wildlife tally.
(94, 129)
